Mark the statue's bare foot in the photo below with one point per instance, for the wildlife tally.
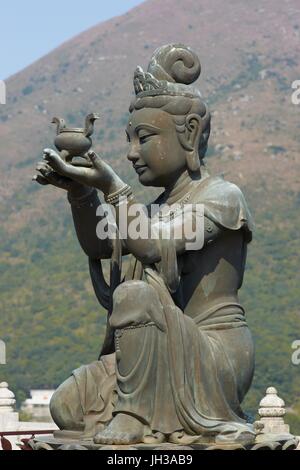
(122, 430)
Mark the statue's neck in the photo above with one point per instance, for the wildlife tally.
(184, 184)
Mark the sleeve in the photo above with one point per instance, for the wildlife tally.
(225, 205)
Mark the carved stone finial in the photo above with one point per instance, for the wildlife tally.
(271, 405)
(7, 399)
(271, 412)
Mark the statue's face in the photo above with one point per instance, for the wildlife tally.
(155, 151)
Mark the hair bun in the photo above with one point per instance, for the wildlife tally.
(175, 63)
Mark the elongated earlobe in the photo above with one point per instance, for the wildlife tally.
(193, 160)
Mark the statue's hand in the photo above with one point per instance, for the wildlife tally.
(100, 175)
(47, 176)
(55, 162)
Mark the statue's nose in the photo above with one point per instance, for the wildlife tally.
(133, 155)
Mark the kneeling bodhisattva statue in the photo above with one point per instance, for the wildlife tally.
(178, 356)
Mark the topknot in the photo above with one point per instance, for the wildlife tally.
(171, 70)
(175, 63)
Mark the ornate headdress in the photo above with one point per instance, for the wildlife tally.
(172, 68)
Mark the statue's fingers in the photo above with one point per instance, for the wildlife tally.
(50, 156)
(45, 170)
(56, 163)
(49, 152)
(40, 179)
(76, 173)
(95, 159)
(43, 167)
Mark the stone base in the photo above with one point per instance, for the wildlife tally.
(270, 442)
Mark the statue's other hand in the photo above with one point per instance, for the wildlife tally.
(48, 176)
(103, 176)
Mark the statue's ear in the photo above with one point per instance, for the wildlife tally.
(193, 131)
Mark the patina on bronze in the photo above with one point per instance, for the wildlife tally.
(178, 356)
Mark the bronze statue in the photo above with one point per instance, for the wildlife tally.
(178, 356)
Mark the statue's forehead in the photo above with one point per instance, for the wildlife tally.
(152, 116)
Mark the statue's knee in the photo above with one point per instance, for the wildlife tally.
(65, 406)
(132, 303)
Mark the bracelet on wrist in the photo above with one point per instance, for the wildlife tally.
(115, 197)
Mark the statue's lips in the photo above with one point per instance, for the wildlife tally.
(140, 168)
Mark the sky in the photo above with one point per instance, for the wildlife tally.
(30, 29)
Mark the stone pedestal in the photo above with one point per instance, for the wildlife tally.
(53, 443)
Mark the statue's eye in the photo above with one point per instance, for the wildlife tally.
(145, 138)
(127, 136)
